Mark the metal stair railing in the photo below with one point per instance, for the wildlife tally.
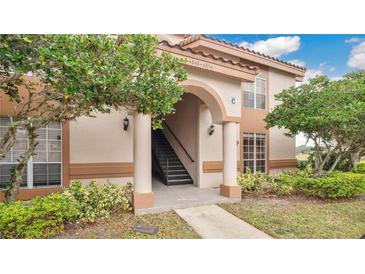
(159, 152)
(178, 141)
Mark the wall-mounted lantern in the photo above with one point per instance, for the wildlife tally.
(211, 130)
(125, 123)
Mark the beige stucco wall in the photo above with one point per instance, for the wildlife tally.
(281, 146)
(210, 148)
(101, 139)
(226, 87)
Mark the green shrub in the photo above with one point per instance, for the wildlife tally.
(38, 218)
(335, 185)
(302, 164)
(360, 168)
(306, 172)
(250, 182)
(98, 200)
(284, 184)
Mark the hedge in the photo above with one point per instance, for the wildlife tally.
(38, 218)
(45, 217)
(335, 185)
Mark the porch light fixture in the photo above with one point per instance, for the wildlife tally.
(211, 130)
(125, 123)
(234, 100)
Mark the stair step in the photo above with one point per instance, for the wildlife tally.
(176, 176)
(177, 173)
(180, 180)
(174, 167)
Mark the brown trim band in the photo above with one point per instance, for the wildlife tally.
(233, 119)
(27, 194)
(100, 170)
(216, 166)
(283, 163)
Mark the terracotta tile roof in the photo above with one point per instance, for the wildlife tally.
(196, 37)
(208, 55)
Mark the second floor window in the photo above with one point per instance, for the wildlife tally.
(254, 94)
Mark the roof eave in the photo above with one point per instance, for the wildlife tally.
(229, 48)
(217, 64)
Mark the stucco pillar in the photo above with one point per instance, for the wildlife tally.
(229, 188)
(142, 195)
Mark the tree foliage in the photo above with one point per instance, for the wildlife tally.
(62, 77)
(330, 113)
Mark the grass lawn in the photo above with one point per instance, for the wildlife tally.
(302, 218)
(119, 226)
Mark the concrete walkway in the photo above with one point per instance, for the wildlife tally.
(213, 222)
(169, 198)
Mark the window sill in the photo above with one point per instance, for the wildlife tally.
(41, 187)
(258, 109)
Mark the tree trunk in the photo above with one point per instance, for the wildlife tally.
(319, 164)
(334, 164)
(7, 141)
(318, 158)
(16, 174)
(355, 159)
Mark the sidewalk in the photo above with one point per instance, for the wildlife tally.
(213, 222)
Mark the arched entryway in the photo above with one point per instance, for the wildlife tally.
(208, 96)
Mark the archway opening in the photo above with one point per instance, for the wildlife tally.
(175, 148)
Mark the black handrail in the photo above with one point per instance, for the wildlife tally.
(156, 153)
(177, 139)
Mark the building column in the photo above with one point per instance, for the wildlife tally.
(229, 188)
(142, 196)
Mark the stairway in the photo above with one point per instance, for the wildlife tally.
(168, 164)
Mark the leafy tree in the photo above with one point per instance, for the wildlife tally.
(78, 75)
(355, 85)
(330, 113)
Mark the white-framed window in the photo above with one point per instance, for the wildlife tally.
(254, 94)
(44, 168)
(10, 160)
(254, 152)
